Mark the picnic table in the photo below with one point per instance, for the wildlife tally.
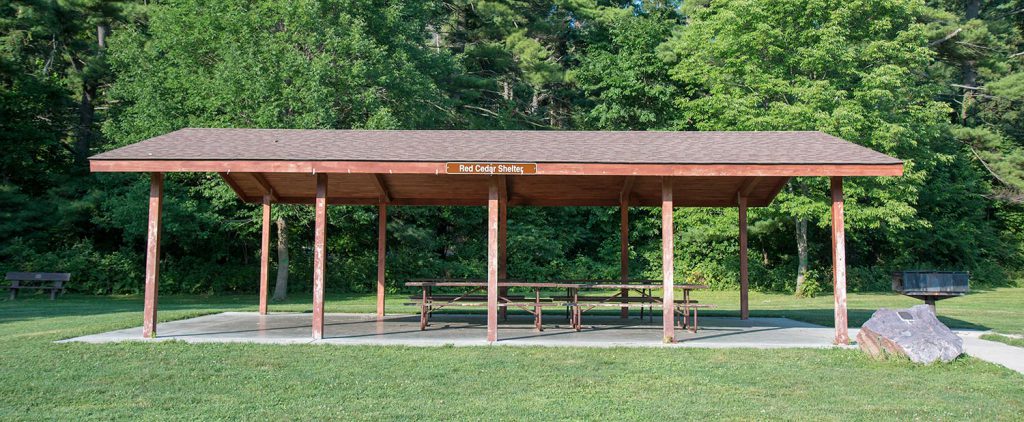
(429, 302)
(575, 304)
(54, 282)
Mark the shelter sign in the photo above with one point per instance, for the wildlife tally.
(491, 168)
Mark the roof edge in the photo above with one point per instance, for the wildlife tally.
(544, 168)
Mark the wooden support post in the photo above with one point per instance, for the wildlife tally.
(744, 266)
(265, 255)
(624, 254)
(156, 202)
(382, 227)
(319, 255)
(492, 261)
(503, 239)
(667, 263)
(839, 261)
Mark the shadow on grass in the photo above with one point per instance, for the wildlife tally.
(30, 307)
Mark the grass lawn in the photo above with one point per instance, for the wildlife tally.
(173, 380)
(1013, 341)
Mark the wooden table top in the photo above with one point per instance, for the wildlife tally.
(557, 284)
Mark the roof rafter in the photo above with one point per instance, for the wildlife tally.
(382, 188)
(268, 189)
(234, 186)
(627, 189)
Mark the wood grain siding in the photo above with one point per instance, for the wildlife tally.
(492, 261)
(839, 262)
(667, 262)
(471, 190)
(265, 255)
(319, 255)
(551, 169)
(154, 229)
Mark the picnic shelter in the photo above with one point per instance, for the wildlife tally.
(497, 170)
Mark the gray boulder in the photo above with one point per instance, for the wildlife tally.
(915, 333)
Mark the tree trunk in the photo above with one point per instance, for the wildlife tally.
(801, 249)
(86, 116)
(86, 108)
(506, 90)
(281, 287)
(968, 66)
(101, 36)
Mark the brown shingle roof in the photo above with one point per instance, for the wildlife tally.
(501, 146)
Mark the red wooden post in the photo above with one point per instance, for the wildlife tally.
(382, 227)
(319, 255)
(492, 261)
(667, 263)
(265, 255)
(744, 270)
(502, 239)
(839, 261)
(624, 252)
(156, 202)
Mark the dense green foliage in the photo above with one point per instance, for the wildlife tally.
(937, 84)
(173, 380)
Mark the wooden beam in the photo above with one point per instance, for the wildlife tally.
(839, 262)
(234, 186)
(268, 189)
(725, 202)
(382, 188)
(382, 228)
(154, 228)
(627, 189)
(744, 270)
(667, 263)
(503, 188)
(624, 249)
(567, 169)
(492, 261)
(747, 186)
(265, 255)
(319, 255)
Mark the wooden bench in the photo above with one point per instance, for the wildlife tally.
(54, 282)
(434, 302)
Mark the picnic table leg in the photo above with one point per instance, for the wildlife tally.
(423, 310)
(686, 307)
(536, 309)
(14, 293)
(695, 320)
(650, 305)
(430, 308)
(569, 315)
(579, 312)
(53, 294)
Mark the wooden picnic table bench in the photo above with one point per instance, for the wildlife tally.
(54, 282)
(429, 302)
(575, 304)
(581, 304)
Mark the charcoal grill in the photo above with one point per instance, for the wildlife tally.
(931, 286)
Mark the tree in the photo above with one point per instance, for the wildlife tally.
(805, 65)
(285, 64)
(624, 83)
(981, 66)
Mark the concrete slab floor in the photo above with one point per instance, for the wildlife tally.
(471, 330)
